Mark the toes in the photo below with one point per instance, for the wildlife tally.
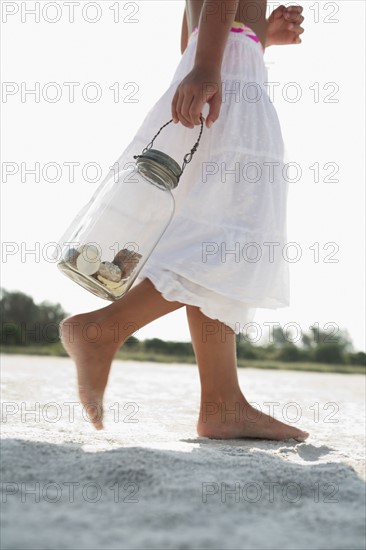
(301, 437)
(95, 418)
(98, 425)
(92, 407)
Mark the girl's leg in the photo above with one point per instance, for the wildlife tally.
(92, 339)
(225, 413)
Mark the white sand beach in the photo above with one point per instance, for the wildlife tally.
(148, 482)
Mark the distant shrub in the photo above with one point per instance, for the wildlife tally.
(132, 343)
(289, 352)
(358, 358)
(329, 353)
(11, 334)
(25, 323)
(156, 345)
(247, 351)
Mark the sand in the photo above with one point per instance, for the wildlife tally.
(147, 481)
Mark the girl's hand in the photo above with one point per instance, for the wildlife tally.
(202, 85)
(284, 26)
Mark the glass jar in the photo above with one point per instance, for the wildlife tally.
(112, 237)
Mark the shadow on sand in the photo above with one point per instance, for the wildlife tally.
(242, 494)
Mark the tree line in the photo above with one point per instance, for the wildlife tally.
(24, 323)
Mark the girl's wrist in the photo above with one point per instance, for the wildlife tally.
(206, 65)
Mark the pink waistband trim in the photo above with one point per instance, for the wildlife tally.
(239, 27)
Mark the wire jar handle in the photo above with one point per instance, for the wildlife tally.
(187, 157)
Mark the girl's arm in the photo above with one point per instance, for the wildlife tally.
(203, 83)
(184, 35)
(215, 22)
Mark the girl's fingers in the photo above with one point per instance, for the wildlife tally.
(215, 107)
(300, 30)
(180, 111)
(293, 16)
(195, 110)
(187, 102)
(295, 33)
(174, 108)
(279, 12)
(185, 106)
(295, 20)
(178, 104)
(296, 39)
(294, 9)
(295, 25)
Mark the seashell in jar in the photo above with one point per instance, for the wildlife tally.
(110, 284)
(88, 262)
(70, 256)
(110, 271)
(127, 260)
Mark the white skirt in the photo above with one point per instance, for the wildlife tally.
(223, 249)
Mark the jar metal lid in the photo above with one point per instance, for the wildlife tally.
(159, 165)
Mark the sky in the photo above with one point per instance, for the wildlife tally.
(130, 50)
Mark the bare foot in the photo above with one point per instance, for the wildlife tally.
(92, 339)
(92, 346)
(241, 420)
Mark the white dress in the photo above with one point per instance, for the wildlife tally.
(223, 249)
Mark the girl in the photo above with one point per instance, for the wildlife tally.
(230, 201)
